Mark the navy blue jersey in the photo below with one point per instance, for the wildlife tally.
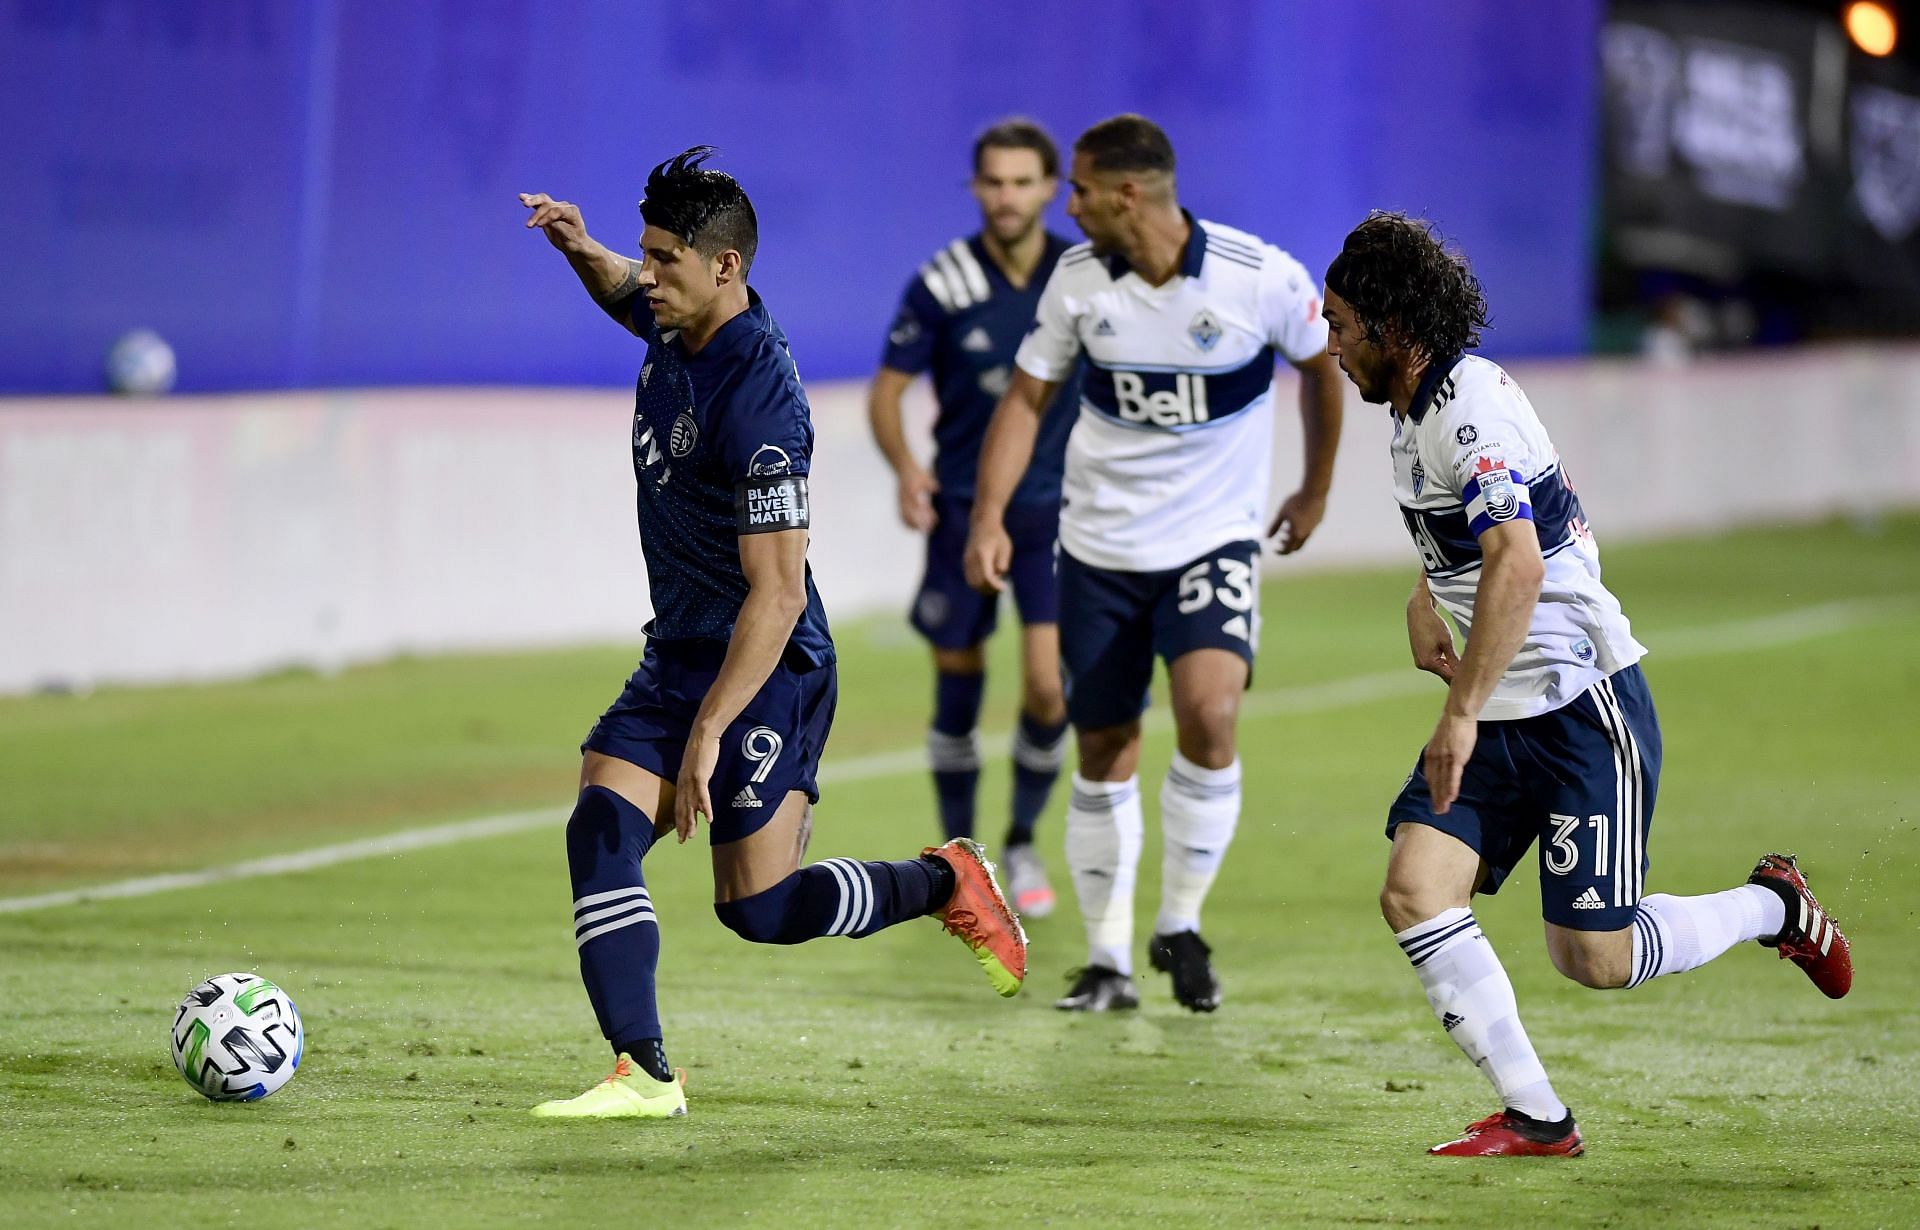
(722, 444)
(964, 320)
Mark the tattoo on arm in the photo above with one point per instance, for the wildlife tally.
(615, 300)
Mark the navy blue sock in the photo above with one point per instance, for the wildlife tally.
(613, 922)
(839, 896)
(953, 749)
(1039, 749)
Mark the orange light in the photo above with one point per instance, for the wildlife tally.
(1872, 27)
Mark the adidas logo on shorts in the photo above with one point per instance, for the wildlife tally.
(1451, 1021)
(1589, 900)
(747, 798)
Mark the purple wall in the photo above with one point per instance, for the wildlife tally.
(321, 192)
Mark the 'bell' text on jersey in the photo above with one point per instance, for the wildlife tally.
(1470, 455)
(962, 318)
(722, 446)
(1172, 451)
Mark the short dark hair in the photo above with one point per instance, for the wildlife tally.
(1019, 132)
(1127, 143)
(708, 210)
(1406, 286)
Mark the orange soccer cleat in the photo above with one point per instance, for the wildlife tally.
(977, 913)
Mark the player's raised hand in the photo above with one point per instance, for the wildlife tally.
(989, 557)
(1446, 758)
(561, 220)
(917, 488)
(690, 801)
(1430, 638)
(1299, 516)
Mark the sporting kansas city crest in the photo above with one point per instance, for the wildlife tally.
(1205, 330)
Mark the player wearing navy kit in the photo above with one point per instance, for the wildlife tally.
(962, 318)
(1179, 322)
(729, 710)
(1548, 731)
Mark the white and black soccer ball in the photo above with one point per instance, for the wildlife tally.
(237, 1038)
(141, 364)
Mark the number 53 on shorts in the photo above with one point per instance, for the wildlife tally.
(1229, 584)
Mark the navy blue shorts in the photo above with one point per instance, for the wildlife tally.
(1113, 624)
(953, 616)
(1582, 779)
(772, 748)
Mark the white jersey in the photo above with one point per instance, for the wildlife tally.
(1171, 455)
(1471, 454)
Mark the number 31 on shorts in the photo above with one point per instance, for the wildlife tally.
(1234, 590)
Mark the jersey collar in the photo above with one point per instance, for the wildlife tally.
(722, 343)
(1192, 257)
(1429, 385)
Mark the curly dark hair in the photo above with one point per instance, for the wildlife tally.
(708, 210)
(1406, 286)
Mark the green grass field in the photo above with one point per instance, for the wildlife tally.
(879, 1082)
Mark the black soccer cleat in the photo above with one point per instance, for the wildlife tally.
(1186, 956)
(1099, 989)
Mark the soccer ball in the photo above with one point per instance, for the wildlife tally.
(237, 1038)
(141, 364)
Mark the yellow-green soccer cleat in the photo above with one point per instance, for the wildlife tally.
(627, 1093)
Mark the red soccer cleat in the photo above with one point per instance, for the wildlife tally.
(977, 913)
(1811, 939)
(1512, 1134)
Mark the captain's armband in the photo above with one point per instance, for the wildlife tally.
(769, 503)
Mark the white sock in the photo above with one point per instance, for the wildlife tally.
(1471, 995)
(1674, 934)
(1199, 809)
(1103, 850)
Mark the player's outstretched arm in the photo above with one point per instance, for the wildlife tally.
(613, 280)
(775, 565)
(1004, 456)
(1322, 409)
(916, 486)
(1511, 570)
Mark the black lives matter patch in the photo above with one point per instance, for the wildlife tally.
(766, 504)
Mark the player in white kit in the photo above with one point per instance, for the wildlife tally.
(1548, 731)
(1164, 504)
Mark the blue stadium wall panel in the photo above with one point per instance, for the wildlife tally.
(321, 192)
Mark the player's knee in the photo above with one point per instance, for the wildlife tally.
(1101, 751)
(1408, 905)
(601, 822)
(1594, 964)
(765, 917)
(1205, 730)
(1044, 701)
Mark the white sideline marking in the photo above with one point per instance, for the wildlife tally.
(1737, 636)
